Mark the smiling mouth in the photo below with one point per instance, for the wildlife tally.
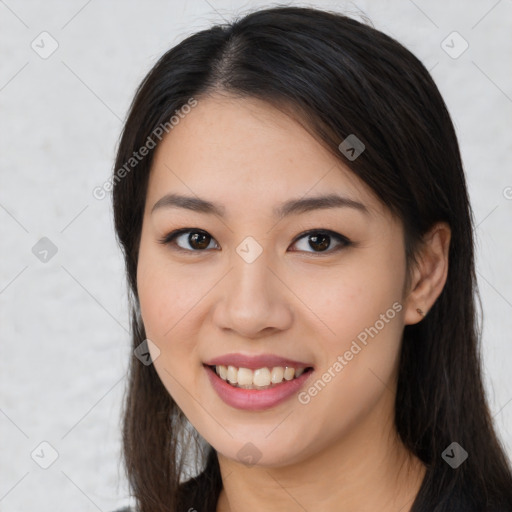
(260, 378)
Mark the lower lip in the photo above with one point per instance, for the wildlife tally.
(255, 399)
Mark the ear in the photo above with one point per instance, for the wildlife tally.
(429, 274)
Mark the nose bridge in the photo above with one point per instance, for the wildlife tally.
(251, 277)
(251, 284)
(253, 297)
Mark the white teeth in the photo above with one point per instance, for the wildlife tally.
(222, 371)
(232, 374)
(277, 374)
(244, 377)
(260, 378)
(289, 373)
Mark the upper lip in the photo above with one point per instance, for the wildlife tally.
(255, 361)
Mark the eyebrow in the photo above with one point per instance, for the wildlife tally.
(290, 207)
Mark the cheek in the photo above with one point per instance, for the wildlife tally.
(353, 297)
(167, 293)
(361, 306)
(359, 360)
(167, 299)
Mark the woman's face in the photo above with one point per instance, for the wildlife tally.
(258, 279)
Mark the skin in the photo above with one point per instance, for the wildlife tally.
(293, 300)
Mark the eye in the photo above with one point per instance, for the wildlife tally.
(197, 240)
(321, 241)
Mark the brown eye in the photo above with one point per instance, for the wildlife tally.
(199, 240)
(190, 240)
(321, 241)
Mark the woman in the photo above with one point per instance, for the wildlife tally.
(291, 203)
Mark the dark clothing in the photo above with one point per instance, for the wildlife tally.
(193, 490)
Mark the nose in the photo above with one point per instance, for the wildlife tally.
(253, 300)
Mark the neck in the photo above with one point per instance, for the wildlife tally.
(369, 469)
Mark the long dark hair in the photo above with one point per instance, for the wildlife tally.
(337, 76)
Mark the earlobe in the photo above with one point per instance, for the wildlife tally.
(430, 273)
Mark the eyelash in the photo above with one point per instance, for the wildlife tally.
(170, 238)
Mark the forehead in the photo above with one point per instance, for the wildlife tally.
(244, 150)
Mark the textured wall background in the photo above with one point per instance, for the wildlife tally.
(65, 343)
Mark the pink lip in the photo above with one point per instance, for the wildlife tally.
(254, 399)
(254, 362)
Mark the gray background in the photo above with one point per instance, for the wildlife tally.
(65, 344)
